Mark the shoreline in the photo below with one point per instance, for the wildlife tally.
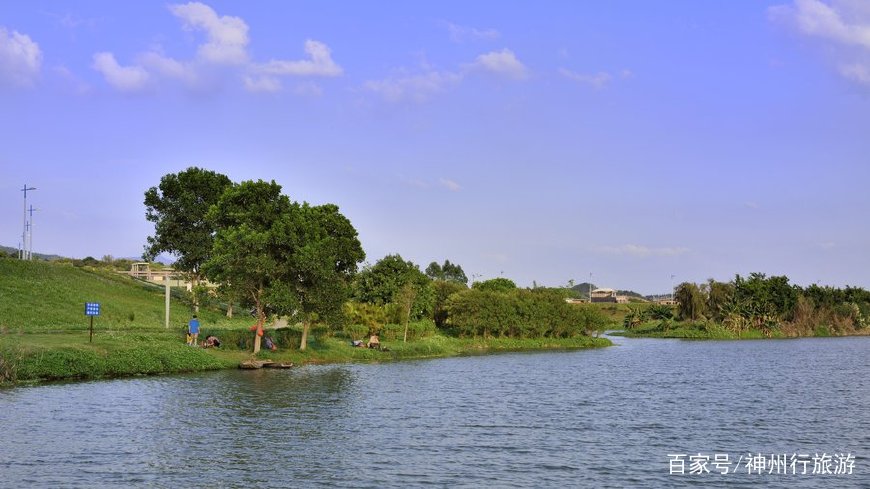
(36, 359)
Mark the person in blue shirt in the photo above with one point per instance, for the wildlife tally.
(193, 331)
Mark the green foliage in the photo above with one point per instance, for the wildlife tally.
(499, 284)
(371, 316)
(520, 314)
(719, 294)
(691, 301)
(283, 256)
(660, 312)
(381, 283)
(449, 272)
(255, 238)
(634, 317)
(325, 263)
(443, 290)
(764, 307)
(178, 208)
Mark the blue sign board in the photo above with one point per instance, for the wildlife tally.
(92, 309)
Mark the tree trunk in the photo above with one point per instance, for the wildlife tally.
(407, 320)
(258, 332)
(304, 343)
(194, 281)
(230, 310)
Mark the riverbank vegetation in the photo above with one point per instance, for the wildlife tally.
(248, 247)
(756, 306)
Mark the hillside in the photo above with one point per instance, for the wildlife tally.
(43, 296)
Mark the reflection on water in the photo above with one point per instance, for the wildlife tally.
(589, 418)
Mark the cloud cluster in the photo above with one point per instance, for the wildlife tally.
(843, 24)
(20, 59)
(225, 48)
(419, 87)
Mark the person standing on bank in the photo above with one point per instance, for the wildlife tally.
(193, 330)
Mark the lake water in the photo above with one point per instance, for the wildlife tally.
(608, 417)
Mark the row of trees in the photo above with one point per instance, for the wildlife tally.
(765, 303)
(395, 290)
(300, 261)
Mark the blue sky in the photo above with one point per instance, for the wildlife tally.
(538, 141)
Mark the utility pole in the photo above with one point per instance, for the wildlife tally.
(30, 227)
(22, 254)
(590, 287)
(672, 288)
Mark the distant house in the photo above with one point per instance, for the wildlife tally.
(604, 295)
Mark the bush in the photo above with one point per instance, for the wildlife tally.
(520, 314)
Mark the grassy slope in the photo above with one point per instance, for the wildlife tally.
(43, 331)
(40, 296)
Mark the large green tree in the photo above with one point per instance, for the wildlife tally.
(323, 265)
(255, 239)
(178, 208)
(288, 258)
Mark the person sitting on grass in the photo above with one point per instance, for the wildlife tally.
(211, 341)
(374, 341)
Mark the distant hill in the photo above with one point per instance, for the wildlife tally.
(39, 256)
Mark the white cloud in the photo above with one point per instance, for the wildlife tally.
(815, 18)
(598, 80)
(320, 63)
(459, 33)
(641, 251)
(20, 59)
(227, 36)
(268, 84)
(226, 46)
(857, 72)
(168, 67)
(450, 184)
(123, 78)
(417, 87)
(844, 24)
(502, 62)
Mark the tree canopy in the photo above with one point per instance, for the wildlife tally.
(178, 208)
(499, 284)
(449, 272)
(292, 258)
(382, 282)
